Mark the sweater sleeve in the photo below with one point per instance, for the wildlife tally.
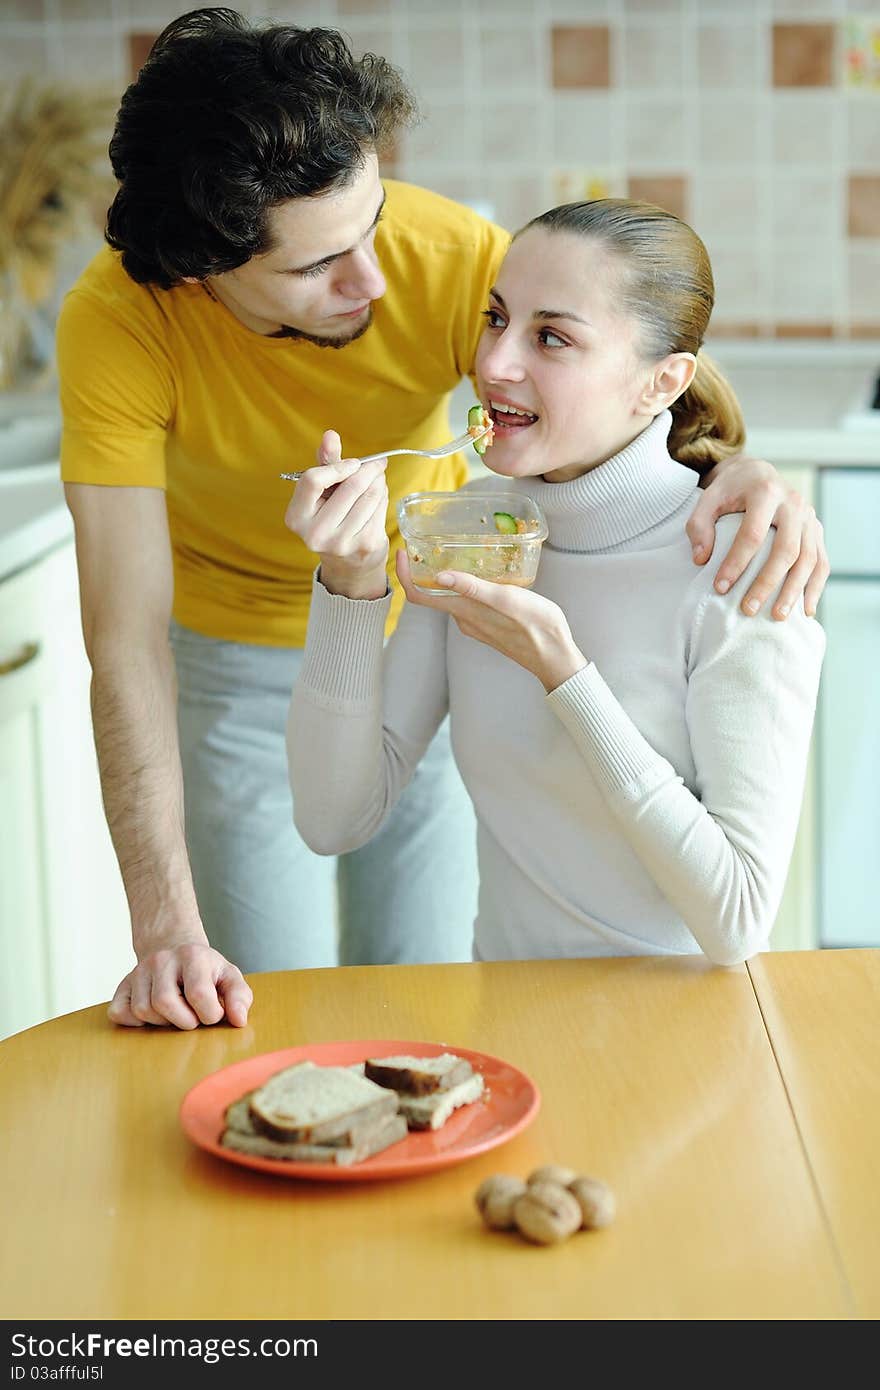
(719, 854)
(361, 716)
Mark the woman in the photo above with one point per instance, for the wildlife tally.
(635, 746)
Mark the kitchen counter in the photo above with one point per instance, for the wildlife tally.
(740, 1140)
(33, 516)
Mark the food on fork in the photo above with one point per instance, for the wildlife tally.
(480, 419)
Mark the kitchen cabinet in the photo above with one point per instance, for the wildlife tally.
(796, 926)
(849, 733)
(64, 933)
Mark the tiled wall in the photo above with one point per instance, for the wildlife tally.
(758, 120)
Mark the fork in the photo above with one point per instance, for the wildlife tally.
(452, 447)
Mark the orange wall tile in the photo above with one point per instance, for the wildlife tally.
(803, 55)
(581, 56)
(669, 191)
(863, 200)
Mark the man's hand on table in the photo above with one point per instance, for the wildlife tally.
(183, 985)
(798, 555)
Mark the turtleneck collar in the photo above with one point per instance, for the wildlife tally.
(618, 500)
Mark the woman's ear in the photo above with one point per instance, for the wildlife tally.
(669, 380)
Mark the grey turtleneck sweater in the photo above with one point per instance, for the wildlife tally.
(649, 804)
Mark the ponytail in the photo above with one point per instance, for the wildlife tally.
(707, 423)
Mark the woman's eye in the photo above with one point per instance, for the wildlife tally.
(549, 339)
(493, 318)
(313, 273)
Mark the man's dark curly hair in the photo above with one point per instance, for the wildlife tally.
(224, 122)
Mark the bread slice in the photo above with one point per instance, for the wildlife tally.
(389, 1130)
(432, 1111)
(418, 1076)
(311, 1104)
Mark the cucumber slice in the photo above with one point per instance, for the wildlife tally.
(504, 523)
(478, 418)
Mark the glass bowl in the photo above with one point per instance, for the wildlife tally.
(493, 535)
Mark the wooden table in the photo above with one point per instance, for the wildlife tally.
(822, 1011)
(733, 1134)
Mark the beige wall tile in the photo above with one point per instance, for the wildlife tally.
(510, 131)
(728, 55)
(653, 7)
(656, 131)
(819, 9)
(507, 9)
(508, 59)
(422, 7)
(582, 9)
(83, 9)
(436, 59)
(806, 201)
(863, 133)
(581, 55)
(372, 39)
(584, 129)
(863, 205)
(653, 56)
(669, 191)
(726, 205)
(344, 8)
(727, 131)
(442, 135)
(740, 290)
(518, 199)
(803, 55)
(22, 54)
(863, 276)
(24, 11)
(802, 281)
(94, 56)
(802, 127)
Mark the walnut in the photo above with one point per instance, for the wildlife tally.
(552, 1172)
(495, 1198)
(596, 1201)
(546, 1213)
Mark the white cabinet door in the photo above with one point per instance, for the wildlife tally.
(796, 926)
(59, 870)
(24, 966)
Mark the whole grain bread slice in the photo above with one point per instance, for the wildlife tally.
(418, 1076)
(389, 1130)
(312, 1104)
(432, 1111)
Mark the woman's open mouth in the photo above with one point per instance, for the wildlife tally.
(509, 419)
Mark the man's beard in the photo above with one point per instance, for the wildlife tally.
(286, 331)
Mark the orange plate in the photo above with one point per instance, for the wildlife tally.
(510, 1102)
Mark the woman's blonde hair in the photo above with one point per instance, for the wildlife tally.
(667, 285)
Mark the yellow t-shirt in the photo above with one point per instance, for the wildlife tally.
(167, 389)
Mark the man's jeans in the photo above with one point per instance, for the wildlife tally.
(268, 902)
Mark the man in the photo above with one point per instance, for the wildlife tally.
(256, 300)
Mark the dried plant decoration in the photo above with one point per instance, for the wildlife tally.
(54, 171)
